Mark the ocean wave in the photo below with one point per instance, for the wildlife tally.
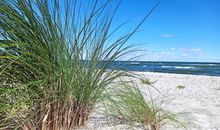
(166, 66)
(134, 63)
(184, 67)
(179, 67)
(203, 64)
(213, 64)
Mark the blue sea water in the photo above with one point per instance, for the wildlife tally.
(196, 68)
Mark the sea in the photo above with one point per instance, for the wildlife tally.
(193, 68)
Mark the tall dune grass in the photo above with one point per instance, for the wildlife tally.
(127, 103)
(50, 51)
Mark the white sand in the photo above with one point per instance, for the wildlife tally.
(199, 100)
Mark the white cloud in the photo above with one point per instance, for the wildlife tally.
(159, 56)
(195, 49)
(174, 54)
(188, 54)
(167, 35)
(187, 50)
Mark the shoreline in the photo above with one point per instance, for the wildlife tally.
(165, 73)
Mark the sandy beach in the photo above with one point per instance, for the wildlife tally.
(198, 102)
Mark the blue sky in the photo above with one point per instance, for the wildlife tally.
(179, 30)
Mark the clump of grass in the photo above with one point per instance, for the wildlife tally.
(147, 81)
(51, 74)
(180, 86)
(128, 104)
(218, 88)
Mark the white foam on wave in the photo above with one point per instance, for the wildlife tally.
(135, 63)
(212, 65)
(166, 66)
(203, 64)
(184, 67)
(178, 67)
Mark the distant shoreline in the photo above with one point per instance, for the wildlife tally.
(174, 73)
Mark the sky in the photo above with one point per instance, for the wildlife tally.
(178, 30)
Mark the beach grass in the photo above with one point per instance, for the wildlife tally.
(180, 86)
(128, 104)
(49, 57)
(147, 81)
